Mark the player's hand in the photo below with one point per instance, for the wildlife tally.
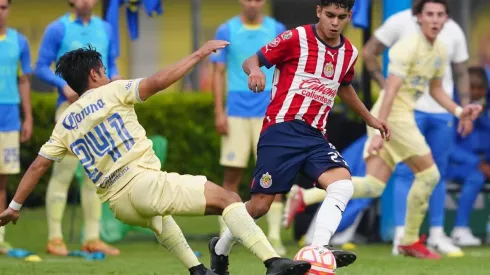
(380, 125)
(256, 81)
(71, 95)
(485, 169)
(465, 127)
(9, 215)
(212, 46)
(26, 132)
(221, 123)
(471, 112)
(375, 145)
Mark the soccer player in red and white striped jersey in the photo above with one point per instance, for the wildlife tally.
(313, 63)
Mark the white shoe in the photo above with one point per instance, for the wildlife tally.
(444, 245)
(463, 236)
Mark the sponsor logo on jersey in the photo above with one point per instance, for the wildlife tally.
(72, 120)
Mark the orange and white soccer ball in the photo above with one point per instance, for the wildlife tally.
(321, 259)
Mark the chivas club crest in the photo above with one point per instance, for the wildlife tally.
(287, 35)
(329, 70)
(266, 180)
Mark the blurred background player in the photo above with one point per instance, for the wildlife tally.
(15, 60)
(469, 161)
(240, 123)
(415, 61)
(71, 31)
(126, 171)
(433, 121)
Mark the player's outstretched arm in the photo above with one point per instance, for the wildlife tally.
(370, 52)
(393, 85)
(256, 78)
(166, 77)
(27, 184)
(349, 96)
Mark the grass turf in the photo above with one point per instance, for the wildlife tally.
(142, 255)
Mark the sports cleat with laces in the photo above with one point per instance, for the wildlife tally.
(342, 257)
(295, 204)
(100, 246)
(283, 266)
(418, 250)
(57, 247)
(219, 263)
(200, 270)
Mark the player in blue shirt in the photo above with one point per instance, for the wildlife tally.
(69, 32)
(15, 66)
(239, 122)
(469, 162)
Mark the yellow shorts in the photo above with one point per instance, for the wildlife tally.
(406, 141)
(243, 136)
(156, 193)
(9, 153)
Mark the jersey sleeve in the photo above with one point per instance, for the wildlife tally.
(349, 76)
(400, 57)
(126, 91)
(460, 54)
(279, 49)
(25, 57)
(390, 31)
(48, 52)
(223, 33)
(54, 149)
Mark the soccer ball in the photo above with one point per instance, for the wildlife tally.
(321, 259)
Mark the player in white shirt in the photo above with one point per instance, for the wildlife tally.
(435, 123)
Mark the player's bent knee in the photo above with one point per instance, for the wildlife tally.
(233, 197)
(430, 175)
(333, 175)
(258, 208)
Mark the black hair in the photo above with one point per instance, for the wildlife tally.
(418, 5)
(75, 67)
(9, 2)
(345, 4)
(480, 73)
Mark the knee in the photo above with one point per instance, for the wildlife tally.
(258, 208)
(232, 197)
(345, 187)
(430, 175)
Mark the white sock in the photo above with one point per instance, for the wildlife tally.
(330, 214)
(311, 230)
(399, 232)
(225, 243)
(437, 231)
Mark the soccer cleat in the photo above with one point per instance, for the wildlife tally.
(295, 204)
(100, 246)
(278, 247)
(219, 263)
(444, 245)
(283, 266)
(57, 247)
(4, 247)
(200, 270)
(342, 257)
(462, 236)
(418, 250)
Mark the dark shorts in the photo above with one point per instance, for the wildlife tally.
(288, 148)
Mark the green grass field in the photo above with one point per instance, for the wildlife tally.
(142, 255)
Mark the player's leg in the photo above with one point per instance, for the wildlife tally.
(56, 197)
(92, 210)
(473, 181)
(274, 215)
(426, 177)
(440, 128)
(235, 152)
(165, 229)
(9, 165)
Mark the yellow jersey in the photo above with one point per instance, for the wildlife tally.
(417, 61)
(101, 128)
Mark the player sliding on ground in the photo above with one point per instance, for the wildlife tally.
(313, 63)
(415, 61)
(102, 130)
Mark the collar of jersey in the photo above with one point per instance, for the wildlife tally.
(3, 37)
(342, 40)
(86, 93)
(73, 18)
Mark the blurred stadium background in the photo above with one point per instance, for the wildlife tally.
(163, 39)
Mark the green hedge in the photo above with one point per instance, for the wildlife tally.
(185, 119)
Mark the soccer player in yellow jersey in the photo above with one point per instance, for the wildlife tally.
(415, 61)
(102, 130)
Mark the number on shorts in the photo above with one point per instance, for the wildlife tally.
(334, 157)
(99, 142)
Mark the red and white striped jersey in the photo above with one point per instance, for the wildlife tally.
(307, 77)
